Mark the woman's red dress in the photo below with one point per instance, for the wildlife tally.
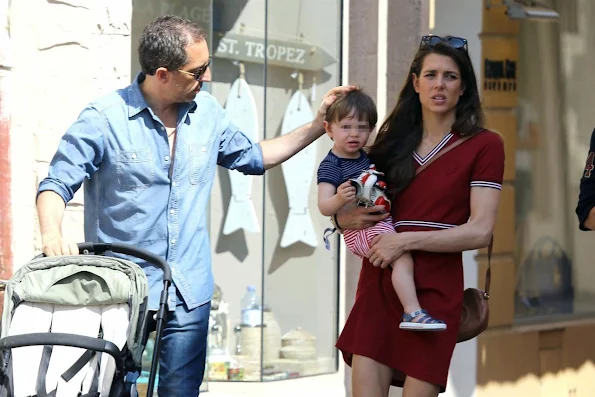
(438, 198)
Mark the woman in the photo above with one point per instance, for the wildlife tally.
(448, 208)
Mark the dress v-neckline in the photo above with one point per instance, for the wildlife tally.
(437, 148)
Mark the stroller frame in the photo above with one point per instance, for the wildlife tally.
(96, 344)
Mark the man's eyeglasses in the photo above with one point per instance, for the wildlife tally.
(454, 42)
(200, 72)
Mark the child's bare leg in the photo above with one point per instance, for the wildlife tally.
(414, 317)
(403, 283)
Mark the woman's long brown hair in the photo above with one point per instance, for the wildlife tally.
(401, 132)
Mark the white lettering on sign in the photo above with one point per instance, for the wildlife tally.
(274, 51)
(295, 55)
(259, 50)
(249, 47)
(228, 46)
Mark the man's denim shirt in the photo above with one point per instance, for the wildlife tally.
(120, 149)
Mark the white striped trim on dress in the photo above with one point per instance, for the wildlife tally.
(440, 145)
(434, 225)
(493, 185)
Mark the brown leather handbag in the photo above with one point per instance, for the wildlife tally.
(476, 311)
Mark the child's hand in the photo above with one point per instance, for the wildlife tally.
(346, 192)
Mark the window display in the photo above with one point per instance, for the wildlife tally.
(554, 258)
(280, 285)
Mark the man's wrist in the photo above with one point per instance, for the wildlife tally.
(50, 236)
(318, 123)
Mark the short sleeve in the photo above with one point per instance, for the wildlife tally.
(330, 172)
(586, 196)
(488, 169)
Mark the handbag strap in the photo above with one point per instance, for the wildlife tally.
(486, 291)
(490, 246)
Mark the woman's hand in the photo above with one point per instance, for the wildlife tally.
(356, 218)
(385, 249)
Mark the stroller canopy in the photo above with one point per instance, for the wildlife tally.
(92, 295)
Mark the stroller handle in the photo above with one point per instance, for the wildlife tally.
(60, 339)
(100, 248)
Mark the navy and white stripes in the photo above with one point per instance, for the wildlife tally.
(336, 170)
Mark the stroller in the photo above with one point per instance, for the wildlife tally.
(75, 325)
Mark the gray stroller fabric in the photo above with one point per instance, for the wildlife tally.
(82, 280)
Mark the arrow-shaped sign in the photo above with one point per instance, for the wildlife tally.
(295, 55)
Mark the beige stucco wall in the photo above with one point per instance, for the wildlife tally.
(65, 54)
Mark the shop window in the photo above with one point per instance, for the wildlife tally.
(555, 261)
(275, 310)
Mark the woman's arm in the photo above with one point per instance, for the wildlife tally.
(474, 234)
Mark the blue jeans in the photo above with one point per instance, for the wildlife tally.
(183, 351)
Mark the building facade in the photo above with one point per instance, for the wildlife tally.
(535, 85)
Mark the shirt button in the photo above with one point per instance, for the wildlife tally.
(172, 211)
(133, 156)
(204, 148)
(166, 158)
(174, 183)
(173, 241)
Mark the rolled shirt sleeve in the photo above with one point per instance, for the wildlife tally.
(236, 150)
(78, 156)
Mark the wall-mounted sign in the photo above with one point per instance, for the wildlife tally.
(500, 56)
(499, 75)
(290, 54)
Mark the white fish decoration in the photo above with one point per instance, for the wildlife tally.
(298, 172)
(241, 107)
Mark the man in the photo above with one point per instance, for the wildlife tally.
(147, 155)
(585, 209)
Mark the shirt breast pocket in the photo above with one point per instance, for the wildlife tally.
(135, 168)
(200, 162)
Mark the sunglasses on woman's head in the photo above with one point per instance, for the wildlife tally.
(454, 42)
